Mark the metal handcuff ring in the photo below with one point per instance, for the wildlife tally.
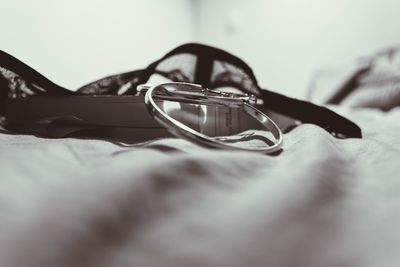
(199, 95)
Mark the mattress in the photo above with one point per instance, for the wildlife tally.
(322, 202)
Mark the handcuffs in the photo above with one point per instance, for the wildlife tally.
(196, 94)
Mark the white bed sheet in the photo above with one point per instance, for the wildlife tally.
(322, 202)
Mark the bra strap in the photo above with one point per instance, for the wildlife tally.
(307, 112)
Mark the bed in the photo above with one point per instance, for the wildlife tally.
(323, 201)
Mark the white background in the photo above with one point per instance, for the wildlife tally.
(74, 42)
(285, 41)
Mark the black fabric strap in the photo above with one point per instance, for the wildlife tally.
(43, 86)
(241, 75)
(30, 75)
(307, 112)
(349, 86)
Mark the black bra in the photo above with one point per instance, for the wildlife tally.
(194, 63)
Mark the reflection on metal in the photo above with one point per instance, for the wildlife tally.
(212, 118)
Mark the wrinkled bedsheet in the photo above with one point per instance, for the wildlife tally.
(321, 202)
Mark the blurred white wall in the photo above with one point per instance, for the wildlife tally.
(73, 42)
(284, 41)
